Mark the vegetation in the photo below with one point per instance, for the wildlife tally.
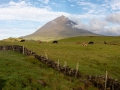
(95, 59)
(18, 72)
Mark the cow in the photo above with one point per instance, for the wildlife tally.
(22, 40)
(78, 42)
(39, 41)
(105, 42)
(55, 42)
(91, 42)
(84, 44)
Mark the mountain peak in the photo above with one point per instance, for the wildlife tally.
(61, 18)
(60, 27)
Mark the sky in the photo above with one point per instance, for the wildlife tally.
(22, 17)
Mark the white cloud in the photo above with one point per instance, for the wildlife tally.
(21, 12)
(115, 5)
(98, 26)
(88, 4)
(44, 1)
(111, 31)
(115, 30)
(88, 16)
(114, 18)
(25, 11)
(112, 4)
(14, 32)
(56, 4)
(72, 5)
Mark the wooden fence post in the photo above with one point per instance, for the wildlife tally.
(113, 85)
(77, 66)
(46, 56)
(13, 48)
(23, 50)
(3, 47)
(65, 64)
(30, 52)
(58, 64)
(106, 81)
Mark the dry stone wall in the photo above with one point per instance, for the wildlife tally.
(97, 81)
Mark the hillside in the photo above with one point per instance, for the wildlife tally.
(26, 73)
(59, 28)
(94, 59)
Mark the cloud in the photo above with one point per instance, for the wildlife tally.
(22, 16)
(98, 26)
(13, 32)
(72, 5)
(88, 4)
(114, 18)
(80, 24)
(112, 4)
(26, 11)
(44, 1)
(115, 5)
(56, 4)
(115, 30)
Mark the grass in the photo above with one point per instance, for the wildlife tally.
(18, 72)
(93, 60)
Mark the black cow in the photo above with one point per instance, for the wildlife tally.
(91, 42)
(105, 42)
(55, 42)
(22, 40)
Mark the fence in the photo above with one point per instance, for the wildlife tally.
(101, 82)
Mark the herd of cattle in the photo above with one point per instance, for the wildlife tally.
(56, 42)
(83, 44)
(97, 81)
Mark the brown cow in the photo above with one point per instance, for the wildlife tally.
(84, 44)
(39, 41)
(78, 42)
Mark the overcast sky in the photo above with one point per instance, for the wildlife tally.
(23, 17)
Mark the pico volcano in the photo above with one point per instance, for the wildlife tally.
(59, 28)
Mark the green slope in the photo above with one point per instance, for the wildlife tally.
(18, 72)
(94, 59)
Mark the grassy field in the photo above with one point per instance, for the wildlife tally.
(18, 72)
(94, 59)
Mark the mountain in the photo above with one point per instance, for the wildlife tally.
(58, 28)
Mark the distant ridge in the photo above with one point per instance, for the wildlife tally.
(59, 28)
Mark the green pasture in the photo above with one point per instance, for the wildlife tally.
(94, 59)
(20, 72)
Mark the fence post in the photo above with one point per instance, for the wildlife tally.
(106, 81)
(113, 85)
(13, 47)
(65, 64)
(77, 66)
(30, 52)
(58, 64)
(23, 50)
(3, 47)
(46, 56)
